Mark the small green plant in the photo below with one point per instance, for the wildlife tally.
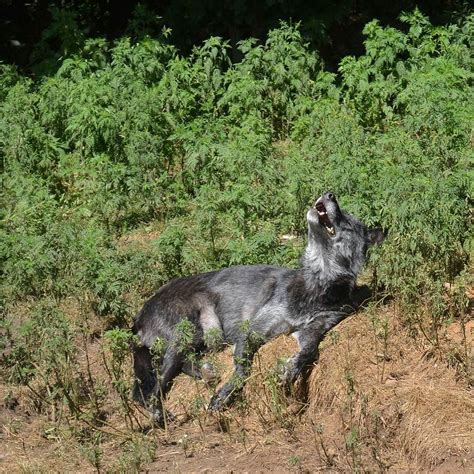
(135, 452)
(184, 443)
(353, 447)
(277, 400)
(381, 328)
(321, 444)
(335, 336)
(252, 338)
(93, 451)
(184, 337)
(214, 339)
(158, 350)
(52, 363)
(294, 461)
(118, 343)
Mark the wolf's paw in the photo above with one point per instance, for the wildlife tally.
(286, 372)
(287, 380)
(209, 373)
(216, 403)
(158, 418)
(223, 398)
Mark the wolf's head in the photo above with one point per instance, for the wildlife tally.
(337, 241)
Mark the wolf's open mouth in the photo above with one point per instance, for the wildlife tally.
(324, 219)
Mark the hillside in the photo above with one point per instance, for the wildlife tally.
(377, 401)
(134, 164)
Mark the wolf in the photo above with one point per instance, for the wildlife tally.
(246, 306)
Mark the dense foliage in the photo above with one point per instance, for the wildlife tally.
(37, 35)
(134, 164)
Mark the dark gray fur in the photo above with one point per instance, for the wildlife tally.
(306, 302)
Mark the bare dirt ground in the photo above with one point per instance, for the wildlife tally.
(379, 400)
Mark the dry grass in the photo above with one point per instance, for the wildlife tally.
(378, 400)
(404, 406)
(403, 397)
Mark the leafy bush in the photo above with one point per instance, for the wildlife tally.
(44, 358)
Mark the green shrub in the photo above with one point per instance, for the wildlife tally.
(45, 354)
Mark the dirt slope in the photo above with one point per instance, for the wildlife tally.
(378, 400)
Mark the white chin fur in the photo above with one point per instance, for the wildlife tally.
(311, 216)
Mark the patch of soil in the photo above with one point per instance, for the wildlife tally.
(212, 451)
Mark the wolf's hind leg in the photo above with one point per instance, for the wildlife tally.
(201, 370)
(171, 365)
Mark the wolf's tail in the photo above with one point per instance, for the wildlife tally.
(145, 375)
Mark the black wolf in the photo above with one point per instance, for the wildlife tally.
(247, 306)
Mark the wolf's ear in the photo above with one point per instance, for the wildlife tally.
(376, 236)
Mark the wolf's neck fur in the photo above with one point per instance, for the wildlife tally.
(321, 284)
(321, 269)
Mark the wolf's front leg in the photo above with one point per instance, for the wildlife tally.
(309, 339)
(301, 362)
(243, 356)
